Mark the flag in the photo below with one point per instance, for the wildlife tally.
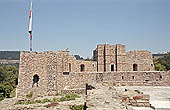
(30, 20)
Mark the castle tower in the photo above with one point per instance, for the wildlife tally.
(115, 58)
(105, 55)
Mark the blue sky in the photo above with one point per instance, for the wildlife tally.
(82, 24)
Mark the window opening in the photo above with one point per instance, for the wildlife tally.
(133, 77)
(69, 67)
(160, 77)
(135, 67)
(65, 73)
(112, 67)
(82, 67)
(35, 80)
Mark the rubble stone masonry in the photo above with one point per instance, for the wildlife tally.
(49, 73)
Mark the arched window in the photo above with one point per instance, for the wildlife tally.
(35, 79)
(112, 67)
(82, 67)
(135, 67)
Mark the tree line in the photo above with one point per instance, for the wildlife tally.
(10, 55)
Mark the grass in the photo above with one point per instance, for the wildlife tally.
(34, 102)
(77, 107)
(29, 95)
(65, 98)
(69, 97)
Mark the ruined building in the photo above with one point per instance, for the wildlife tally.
(115, 58)
(48, 73)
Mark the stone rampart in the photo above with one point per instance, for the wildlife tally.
(74, 81)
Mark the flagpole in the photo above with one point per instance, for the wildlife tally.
(30, 25)
(30, 41)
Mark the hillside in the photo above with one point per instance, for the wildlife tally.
(10, 55)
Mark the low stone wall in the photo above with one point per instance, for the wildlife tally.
(79, 80)
(140, 83)
(146, 78)
(138, 78)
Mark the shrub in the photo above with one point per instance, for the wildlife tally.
(13, 93)
(1, 97)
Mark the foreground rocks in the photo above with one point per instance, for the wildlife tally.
(100, 96)
(12, 104)
(159, 95)
(135, 98)
(104, 98)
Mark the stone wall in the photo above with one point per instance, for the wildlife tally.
(116, 57)
(52, 69)
(77, 80)
(48, 73)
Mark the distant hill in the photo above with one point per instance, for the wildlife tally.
(10, 55)
(156, 56)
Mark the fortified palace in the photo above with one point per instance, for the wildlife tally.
(49, 73)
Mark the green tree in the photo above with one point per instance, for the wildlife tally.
(8, 80)
(159, 67)
(162, 64)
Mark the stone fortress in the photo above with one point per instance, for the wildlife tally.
(49, 73)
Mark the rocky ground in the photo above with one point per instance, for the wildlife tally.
(104, 98)
(100, 96)
(159, 95)
(11, 104)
